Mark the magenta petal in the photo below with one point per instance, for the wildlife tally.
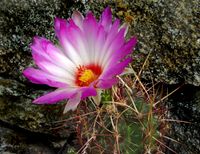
(42, 49)
(127, 47)
(58, 25)
(50, 58)
(118, 41)
(39, 46)
(113, 45)
(124, 50)
(106, 18)
(55, 96)
(38, 59)
(88, 91)
(107, 83)
(66, 30)
(115, 26)
(90, 26)
(90, 30)
(75, 35)
(62, 28)
(116, 69)
(113, 30)
(71, 39)
(56, 56)
(89, 20)
(40, 77)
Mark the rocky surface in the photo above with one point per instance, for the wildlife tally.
(184, 108)
(13, 141)
(16, 107)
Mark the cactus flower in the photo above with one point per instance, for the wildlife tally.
(88, 58)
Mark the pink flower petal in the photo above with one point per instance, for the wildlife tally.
(88, 91)
(78, 39)
(55, 96)
(90, 29)
(114, 45)
(57, 71)
(118, 41)
(89, 21)
(113, 30)
(123, 51)
(127, 48)
(125, 26)
(106, 18)
(100, 39)
(78, 18)
(115, 69)
(81, 94)
(107, 83)
(38, 47)
(68, 34)
(44, 51)
(58, 25)
(40, 77)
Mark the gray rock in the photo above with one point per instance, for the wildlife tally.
(12, 142)
(170, 31)
(185, 106)
(16, 107)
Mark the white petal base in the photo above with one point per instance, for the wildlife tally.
(72, 103)
(97, 98)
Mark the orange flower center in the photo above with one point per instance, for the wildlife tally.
(87, 74)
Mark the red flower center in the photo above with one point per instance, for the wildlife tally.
(87, 74)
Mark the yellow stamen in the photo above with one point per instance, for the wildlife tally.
(87, 76)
